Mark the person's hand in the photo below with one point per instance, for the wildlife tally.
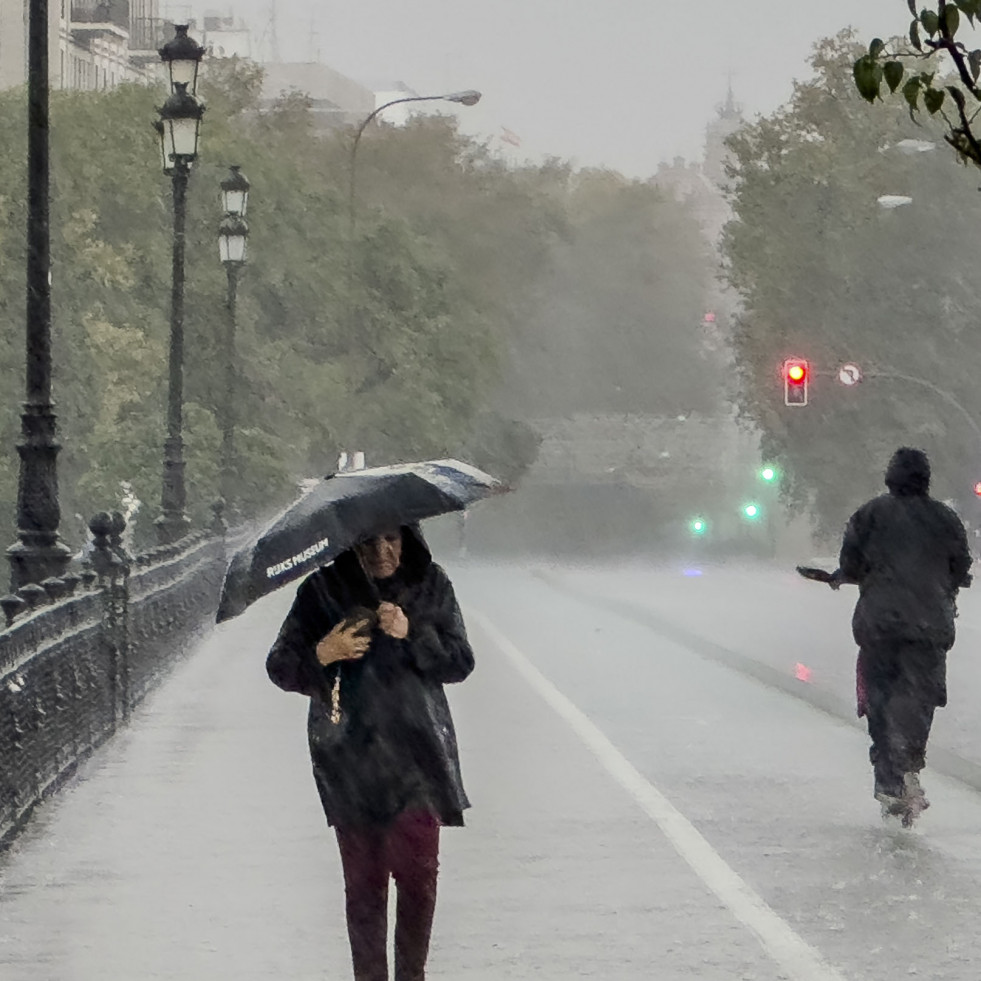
(393, 621)
(348, 641)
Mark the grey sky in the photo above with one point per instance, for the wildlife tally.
(620, 83)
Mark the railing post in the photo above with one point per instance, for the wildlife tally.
(121, 604)
(109, 567)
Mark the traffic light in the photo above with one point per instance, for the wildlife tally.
(698, 526)
(795, 372)
(752, 511)
(769, 474)
(977, 489)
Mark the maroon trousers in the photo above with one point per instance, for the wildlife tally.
(408, 851)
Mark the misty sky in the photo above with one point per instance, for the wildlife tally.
(618, 83)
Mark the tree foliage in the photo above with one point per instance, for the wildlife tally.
(395, 340)
(826, 273)
(934, 69)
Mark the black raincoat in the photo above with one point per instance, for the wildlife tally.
(909, 555)
(394, 748)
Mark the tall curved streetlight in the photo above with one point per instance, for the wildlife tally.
(468, 97)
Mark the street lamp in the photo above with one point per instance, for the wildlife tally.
(233, 235)
(178, 130)
(235, 192)
(468, 97)
(38, 553)
(182, 55)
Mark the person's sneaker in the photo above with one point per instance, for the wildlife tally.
(914, 799)
(891, 806)
(912, 790)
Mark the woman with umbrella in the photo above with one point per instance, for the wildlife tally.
(372, 639)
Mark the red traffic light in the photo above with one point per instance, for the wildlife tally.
(977, 488)
(795, 371)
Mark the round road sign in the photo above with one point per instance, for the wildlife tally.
(849, 374)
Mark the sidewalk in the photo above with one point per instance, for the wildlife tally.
(193, 847)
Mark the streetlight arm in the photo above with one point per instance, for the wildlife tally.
(471, 98)
(946, 396)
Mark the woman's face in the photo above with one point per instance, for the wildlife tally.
(381, 555)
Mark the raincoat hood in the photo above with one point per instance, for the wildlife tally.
(415, 562)
(908, 473)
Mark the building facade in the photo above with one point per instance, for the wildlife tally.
(335, 100)
(92, 44)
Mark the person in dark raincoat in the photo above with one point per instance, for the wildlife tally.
(372, 639)
(909, 555)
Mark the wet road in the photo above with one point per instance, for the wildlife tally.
(640, 808)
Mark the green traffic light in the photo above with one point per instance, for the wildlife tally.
(768, 474)
(751, 511)
(698, 526)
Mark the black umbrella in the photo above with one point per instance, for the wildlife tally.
(337, 513)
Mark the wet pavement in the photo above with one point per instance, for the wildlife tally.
(193, 847)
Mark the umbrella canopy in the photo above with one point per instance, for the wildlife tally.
(337, 513)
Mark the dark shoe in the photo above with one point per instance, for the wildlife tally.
(914, 798)
(891, 806)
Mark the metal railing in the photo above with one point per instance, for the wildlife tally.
(80, 652)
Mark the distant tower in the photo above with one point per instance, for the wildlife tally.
(729, 119)
(273, 34)
(314, 40)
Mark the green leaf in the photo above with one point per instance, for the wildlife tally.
(930, 21)
(958, 96)
(911, 93)
(875, 46)
(914, 36)
(952, 19)
(933, 99)
(892, 71)
(868, 77)
(968, 8)
(974, 60)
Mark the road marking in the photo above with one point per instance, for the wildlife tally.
(790, 951)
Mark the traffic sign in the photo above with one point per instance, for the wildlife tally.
(849, 374)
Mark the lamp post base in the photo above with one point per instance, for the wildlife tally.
(172, 527)
(33, 561)
(173, 524)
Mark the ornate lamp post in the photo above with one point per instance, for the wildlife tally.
(233, 234)
(178, 129)
(38, 553)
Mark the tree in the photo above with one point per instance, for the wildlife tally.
(616, 326)
(403, 380)
(398, 340)
(914, 65)
(826, 273)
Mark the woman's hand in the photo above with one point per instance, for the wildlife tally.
(393, 621)
(348, 641)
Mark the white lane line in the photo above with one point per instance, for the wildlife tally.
(790, 951)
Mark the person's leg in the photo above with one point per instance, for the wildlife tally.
(414, 856)
(366, 874)
(911, 708)
(882, 752)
